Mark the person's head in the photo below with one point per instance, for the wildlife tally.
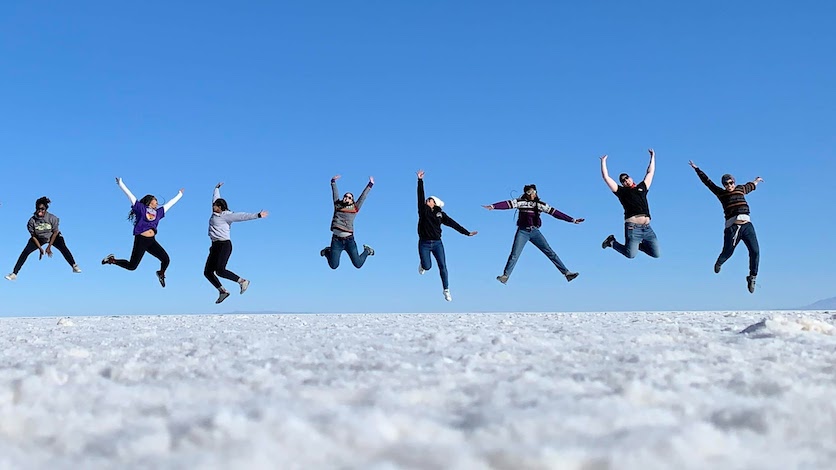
(728, 182)
(434, 202)
(149, 201)
(626, 180)
(348, 199)
(530, 191)
(219, 206)
(41, 206)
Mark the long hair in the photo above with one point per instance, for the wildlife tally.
(145, 201)
(221, 203)
(42, 201)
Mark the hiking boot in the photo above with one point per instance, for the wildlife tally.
(447, 295)
(369, 249)
(109, 259)
(421, 269)
(11, 276)
(324, 251)
(244, 285)
(608, 242)
(76, 269)
(570, 276)
(161, 277)
(503, 279)
(717, 267)
(750, 283)
(222, 296)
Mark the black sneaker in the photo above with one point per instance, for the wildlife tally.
(161, 277)
(324, 251)
(608, 242)
(223, 295)
(370, 249)
(570, 276)
(717, 267)
(108, 259)
(750, 283)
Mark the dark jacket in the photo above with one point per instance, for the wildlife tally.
(431, 219)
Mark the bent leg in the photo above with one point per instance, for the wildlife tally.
(335, 252)
(224, 252)
(157, 251)
(631, 243)
(209, 268)
(424, 249)
(649, 244)
(730, 239)
(140, 245)
(357, 259)
(27, 250)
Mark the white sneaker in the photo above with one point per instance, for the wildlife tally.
(447, 296)
(76, 269)
(11, 276)
(222, 296)
(244, 285)
(421, 270)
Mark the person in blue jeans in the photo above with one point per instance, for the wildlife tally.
(342, 227)
(528, 230)
(638, 235)
(430, 219)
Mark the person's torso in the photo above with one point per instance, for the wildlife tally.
(344, 218)
(634, 201)
(219, 226)
(44, 226)
(734, 203)
(429, 223)
(529, 214)
(147, 218)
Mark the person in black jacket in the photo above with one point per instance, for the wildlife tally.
(430, 219)
(738, 224)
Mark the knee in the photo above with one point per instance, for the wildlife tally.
(631, 254)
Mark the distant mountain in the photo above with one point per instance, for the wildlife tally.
(825, 304)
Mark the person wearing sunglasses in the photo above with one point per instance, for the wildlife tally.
(430, 219)
(145, 214)
(738, 225)
(528, 229)
(638, 235)
(342, 227)
(43, 229)
(221, 249)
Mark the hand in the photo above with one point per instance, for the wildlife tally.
(118, 180)
(693, 165)
(49, 251)
(577, 221)
(758, 179)
(41, 255)
(182, 189)
(420, 174)
(371, 179)
(335, 177)
(263, 214)
(489, 207)
(472, 233)
(651, 152)
(219, 185)
(603, 158)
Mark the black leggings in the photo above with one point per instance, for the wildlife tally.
(141, 245)
(219, 254)
(31, 247)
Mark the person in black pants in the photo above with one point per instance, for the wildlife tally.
(43, 229)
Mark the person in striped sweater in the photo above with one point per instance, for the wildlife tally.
(342, 227)
(528, 229)
(738, 225)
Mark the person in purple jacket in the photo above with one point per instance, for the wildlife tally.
(146, 214)
(528, 229)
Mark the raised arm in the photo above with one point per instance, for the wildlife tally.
(362, 198)
(606, 175)
(167, 206)
(706, 180)
(752, 185)
(335, 195)
(651, 169)
(421, 196)
(125, 190)
(216, 193)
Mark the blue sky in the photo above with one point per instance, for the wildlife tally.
(274, 98)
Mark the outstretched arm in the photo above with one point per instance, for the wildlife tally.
(448, 221)
(752, 185)
(501, 205)
(125, 190)
(557, 214)
(651, 169)
(173, 200)
(360, 200)
(606, 175)
(216, 194)
(706, 180)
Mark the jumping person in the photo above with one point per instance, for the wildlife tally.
(738, 223)
(342, 227)
(145, 215)
(430, 220)
(43, 229)
(638, 235)
(219, 228)
(528, 229)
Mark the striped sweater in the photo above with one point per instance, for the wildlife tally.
(529, 215)
(734, 202)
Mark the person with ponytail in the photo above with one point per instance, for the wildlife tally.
(43, 229)
(342, 227)
(221, 249)
(145, 214)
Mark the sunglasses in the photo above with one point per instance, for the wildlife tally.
(728, 183)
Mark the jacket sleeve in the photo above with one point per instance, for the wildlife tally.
(335, 195)
(239, 216)
(55, 221)
(31, 226)
(168, 205)
(448, 221)
(502, 205)
(554, 212)
(216, 194)
(708, 183)
(362, 198)
(749, 187)
(127, 191)
(421, 197)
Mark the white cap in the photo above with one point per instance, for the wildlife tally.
(438, 202)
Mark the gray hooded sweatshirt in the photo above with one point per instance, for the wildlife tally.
(42, 228)
(342, 225)
(219, 223)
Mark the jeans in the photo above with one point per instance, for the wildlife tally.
(347, 244)
(732, 236)
(425, 247)
(533, 235)
(638, 237)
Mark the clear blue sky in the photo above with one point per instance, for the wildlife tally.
(274, 98)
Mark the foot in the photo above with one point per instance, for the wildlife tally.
(717, 267)
(324, 251)
(244, 285)
(369, 249)
(11, 276)
(447, 295)
(503, 279)
(109, 259)
(161, 277)
(76, 269)
(421, 269)
(570, 276)
(750, 283)
(222, 296)
(608, 242)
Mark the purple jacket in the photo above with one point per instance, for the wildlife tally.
(529, 215)
(147, 218)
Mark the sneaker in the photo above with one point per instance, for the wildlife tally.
(369, 249)
(222, 296)
(11, 276)
(570, 276)
(109, 259)
(608, 242)
(161, 277)
(421, 269)
(717, 267)
(750, 282)
(503, 279)
(324, 251)
(76, 269)
(447, 295)
(244, 285)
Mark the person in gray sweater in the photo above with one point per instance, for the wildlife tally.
(342, 227)
(221, 249)
(43, 229)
